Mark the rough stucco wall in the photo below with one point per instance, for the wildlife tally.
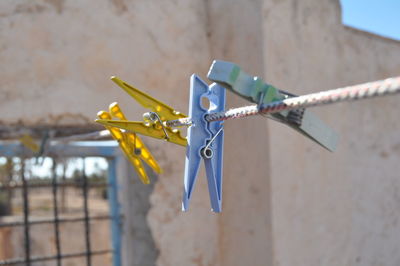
(138, 244)
(56, 59)
(60, 55)
(327, 209)
(201, 237)
(245, 232)
(333, 208)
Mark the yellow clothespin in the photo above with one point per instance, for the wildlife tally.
(153, 124)
(119, 136)
(30, 143)
(135, 142)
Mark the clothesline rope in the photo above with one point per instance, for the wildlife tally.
(388, 86)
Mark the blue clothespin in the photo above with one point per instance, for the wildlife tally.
(205, 141)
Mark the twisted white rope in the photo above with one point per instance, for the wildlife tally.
(352, 93)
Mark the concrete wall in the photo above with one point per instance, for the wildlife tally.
(62, 53)
(286, 201)
(337, 208)
(57, 56)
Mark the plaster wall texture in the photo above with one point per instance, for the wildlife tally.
(337, 208)
(286, 201)
(56, 59)
(240, 235)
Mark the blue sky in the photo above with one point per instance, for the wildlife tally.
(377, 16)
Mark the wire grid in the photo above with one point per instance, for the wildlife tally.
(28, 259)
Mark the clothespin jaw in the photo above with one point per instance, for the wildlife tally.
(153, 124)
(164, 111)
(230, 76)
(152, 130)
(255, 90)
(133, 140)
(205, 141)
(119, 136)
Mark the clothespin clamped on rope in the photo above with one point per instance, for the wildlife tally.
(132, 146)
(153, 122)
(30, 143)
(255, 90)
(205, 141)
(39, 151)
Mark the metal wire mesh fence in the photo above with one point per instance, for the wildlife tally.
(22, 189)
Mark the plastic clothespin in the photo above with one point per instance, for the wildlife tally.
(137, 145)
(153, 124)
(205, 141)
(30, 143)
(40, 151)
(119, 136)
(255, 90)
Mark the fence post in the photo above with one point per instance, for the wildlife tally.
(116, 223)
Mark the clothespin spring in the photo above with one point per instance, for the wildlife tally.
(206, 152)
(294, 117)
(154, 117)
